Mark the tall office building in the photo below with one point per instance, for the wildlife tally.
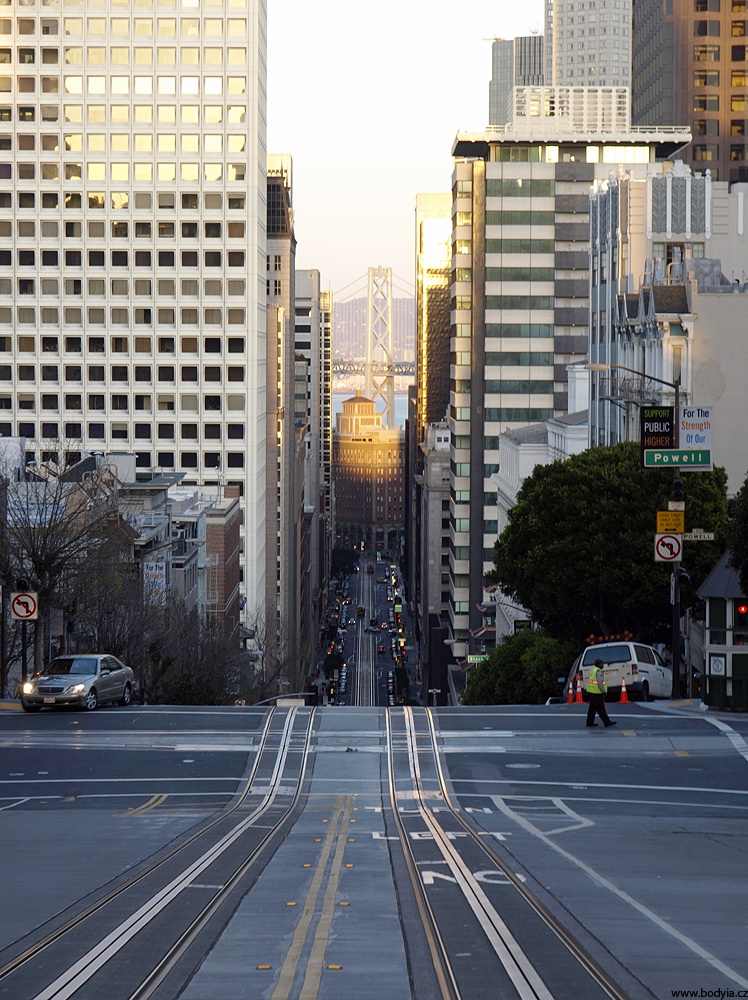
(690, 65)
(515, 62)
(132, 246)
(313, 343)
(520, 296)
(588, 44)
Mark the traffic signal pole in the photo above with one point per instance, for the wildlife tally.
(678, 494)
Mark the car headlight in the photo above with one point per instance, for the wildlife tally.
(28, 688)
(76, 688)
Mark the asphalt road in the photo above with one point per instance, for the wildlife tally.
(635, 839)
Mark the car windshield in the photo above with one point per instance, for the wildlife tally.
(608, 654)
(72, 665)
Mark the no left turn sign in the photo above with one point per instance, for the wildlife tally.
(668, 548)
(24, 607)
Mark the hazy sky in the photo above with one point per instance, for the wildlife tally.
(368, 99)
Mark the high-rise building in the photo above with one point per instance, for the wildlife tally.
(313, 344)
(515, 62)
(690, 66)
(132, 247)
(588, 44)
(520, 296)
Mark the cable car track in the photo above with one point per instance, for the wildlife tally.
(424, 814)
(228, 846)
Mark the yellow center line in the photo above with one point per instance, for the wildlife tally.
(153, 801)
(288, 970)
(310, 989)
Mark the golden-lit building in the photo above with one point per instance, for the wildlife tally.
(369, 476)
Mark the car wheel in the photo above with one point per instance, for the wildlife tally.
(92, 700)
(30, 708)
(645, 691)
(126, 695)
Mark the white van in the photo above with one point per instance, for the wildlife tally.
(646, 675)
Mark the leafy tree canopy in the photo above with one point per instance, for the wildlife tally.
(739, 537)
(578, 549)
(523, 670)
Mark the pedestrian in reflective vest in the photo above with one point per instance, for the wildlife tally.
(596, 688)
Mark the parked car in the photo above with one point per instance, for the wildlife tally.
(381, 649)
(85, 679)
(645, 671)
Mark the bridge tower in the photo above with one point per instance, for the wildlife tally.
(380, 379)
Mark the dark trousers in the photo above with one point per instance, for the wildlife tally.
(596, 705)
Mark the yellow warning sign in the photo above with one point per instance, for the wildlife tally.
(673, 521)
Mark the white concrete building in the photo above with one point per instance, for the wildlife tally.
(132, 240)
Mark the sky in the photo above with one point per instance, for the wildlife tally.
(367, 99)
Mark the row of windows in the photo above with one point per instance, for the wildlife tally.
(117, 201)
(124, 27)
(164, 432)
(121, 142)
(500, 358)
(517, 218)
(710, 126)
(519, 187)
(121, 373)
(711, 78)
(712, 28)
(184, 4)
(708, 152)
(520, 302)
(711, 53)
(123, 86)
(120, 316)
(123, 114)
(121, 230)
(520, 246)
(519, 274)
(126, 171)
(140, 258)
(121, 345)
(519, 330)
(116, 55)
(165, 287)
(522, 386)
(710, 102)
(187, 460)
(140, 403)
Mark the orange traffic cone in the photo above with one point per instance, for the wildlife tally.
(579, 700)
(624, 699)
(570, 694)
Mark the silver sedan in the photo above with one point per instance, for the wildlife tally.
(85, 679)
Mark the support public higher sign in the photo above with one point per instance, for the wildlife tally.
(657, 429)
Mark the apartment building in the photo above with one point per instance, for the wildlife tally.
(132, 247)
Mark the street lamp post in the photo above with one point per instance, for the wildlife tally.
(676, 574)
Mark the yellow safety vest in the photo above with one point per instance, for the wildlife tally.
(593, 687)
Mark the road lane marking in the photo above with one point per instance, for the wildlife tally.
(684, 939)
(733, 736)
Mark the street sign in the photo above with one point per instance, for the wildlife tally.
(24, 607)
(656, 428)
(698, 536)
(695, 428)
(398, 608)
(668, 547)
(477, 657)
(671, 521)
(683, 458)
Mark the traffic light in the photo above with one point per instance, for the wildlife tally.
(679, 490)
(741, 615)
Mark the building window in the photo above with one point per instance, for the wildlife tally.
(704, 152)
(706, 53)
(706, 102)
(706, 78)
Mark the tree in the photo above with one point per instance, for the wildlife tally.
(344, 560)
(739, 537)
(523, 670)
(578, 549)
